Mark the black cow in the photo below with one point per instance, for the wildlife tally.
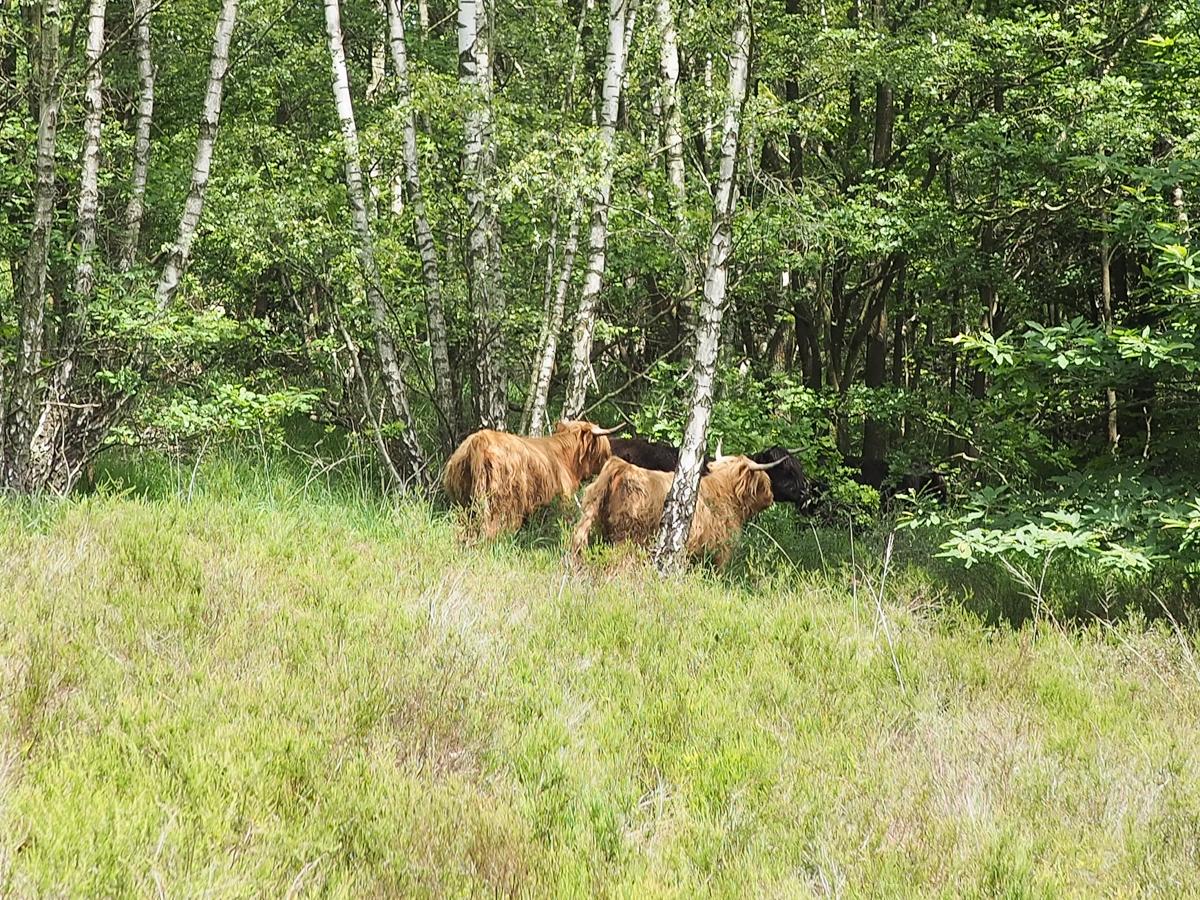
(650, 454)
(789, 484)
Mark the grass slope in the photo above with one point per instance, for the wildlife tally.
(268, 690)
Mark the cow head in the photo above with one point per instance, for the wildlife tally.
(589, 443)
(789, 484)
(746, 481)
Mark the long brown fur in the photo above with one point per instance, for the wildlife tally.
(627, 502)
(502, 477)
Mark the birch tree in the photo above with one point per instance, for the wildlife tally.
(672, 119)
(22, 391)
(534, 417)
(178, 253)
(681, 500)
(55, 402)
(89, 180)
(479, 160)
(435, 310)
(141, 146)
(585, 319)
(551, 327)
(393, 380)
(1112, 432)
(671, 114)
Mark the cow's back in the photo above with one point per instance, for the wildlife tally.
(632, 501)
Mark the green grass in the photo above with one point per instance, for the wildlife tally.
(237, 684)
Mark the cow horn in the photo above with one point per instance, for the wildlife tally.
(719, 456)
(762, 467)
(794, 450)
(597, 430)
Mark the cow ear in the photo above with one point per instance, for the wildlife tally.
(587, 441)
(745, 484)
(755, 486)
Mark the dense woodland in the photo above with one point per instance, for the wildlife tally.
(931, 235)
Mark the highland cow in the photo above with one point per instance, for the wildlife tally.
(627, 503)
(502, 478)
(789, 484)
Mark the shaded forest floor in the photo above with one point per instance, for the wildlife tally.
(232, 682)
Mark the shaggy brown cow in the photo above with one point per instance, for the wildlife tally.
(504, 477)
(628, 503)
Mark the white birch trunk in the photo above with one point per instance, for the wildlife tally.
(89, 179)
(177, 256)
(540, 390)
(576, 56)
(487, 302)
(423, 15)
(141, 146)
(393, 380)
(681, 500)
(709, 125)
(671, 116)
(435, 310)
(548, 284)
(626, 45)
(533, 417)
(52, 418)
(585, 321)
(1113, 433)
(22, 390)
(672, 119)
(379, 52)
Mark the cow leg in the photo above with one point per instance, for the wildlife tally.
(501, 523)
(583, 530)
(594, 500)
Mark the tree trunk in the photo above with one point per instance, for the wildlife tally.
(435, 310)
(681, 500)
(393, 381)
(375, 177)
(487, 301)
(875, 430)
(540, 389)
(177, 256)
(533, 417)
(89, 179)
(23, 386)
(549, 281)
(1181, 216)
(1106, 312)
(585, 322)
(672, 119)
(141, 146)
(48, 442)
(706, 134)
(671, 115)
(577, 55)
(988, 297)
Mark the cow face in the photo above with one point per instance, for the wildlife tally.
(591, 443)
(789, 484)
(742, 481)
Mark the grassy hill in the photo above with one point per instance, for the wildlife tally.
(234, 684)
